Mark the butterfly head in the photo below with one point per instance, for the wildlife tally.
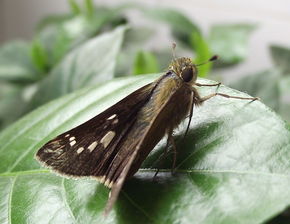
(185, 69)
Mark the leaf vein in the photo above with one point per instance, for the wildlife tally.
(10, 199)
(63, 193)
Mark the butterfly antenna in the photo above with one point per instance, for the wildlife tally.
(173, 50)
(213, 58)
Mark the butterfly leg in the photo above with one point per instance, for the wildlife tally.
(228, 96)
(171, 139)
(216, 84)
(190, 116)
(161, 158)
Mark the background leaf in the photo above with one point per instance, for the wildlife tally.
(62, 33)
(230, 42)
(145, 62)
(15, 63)
(181, 26)
(284, 110)
(264, 85)
(133, 39)
(202, 52)
(74, 6)
(11, 104)
(232, 167)
(39, 56)
(89, 7)
(90, 63)
(281, 58)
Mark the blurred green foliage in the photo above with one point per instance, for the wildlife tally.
(93, 44)
(30, 68)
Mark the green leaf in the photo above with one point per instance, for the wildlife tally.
(230, 42)
(271, 86)
(281, 57)
(133, 39)
(136, 36)
(61, 46)
(231, 168)
(75, 8)
(181, 26)
(203, 53)
(39, 56)
(90, 63)
(264, 85)
(61, 34)
(60, 37)
(11, 103)
(145, 62)
(15, 63)
(89, 7)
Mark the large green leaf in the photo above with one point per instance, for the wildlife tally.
(92, 62)
(233, 167)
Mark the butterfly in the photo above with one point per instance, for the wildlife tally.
(111, 146)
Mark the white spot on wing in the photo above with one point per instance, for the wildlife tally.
(72, 138)
(112, 117)
(67, 135)
(80, 150)
(92, 146)
(115, 121)
(72, 142)
(107, 138)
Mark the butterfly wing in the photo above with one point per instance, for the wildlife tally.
(108, 145)
(87, 150)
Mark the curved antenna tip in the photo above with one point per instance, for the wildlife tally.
(213, 58)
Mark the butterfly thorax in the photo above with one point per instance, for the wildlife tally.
(161, 113)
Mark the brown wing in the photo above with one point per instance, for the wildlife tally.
(88, 149)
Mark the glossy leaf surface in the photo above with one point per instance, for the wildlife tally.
(233, 166)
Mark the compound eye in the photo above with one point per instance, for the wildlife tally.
(187, 74)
